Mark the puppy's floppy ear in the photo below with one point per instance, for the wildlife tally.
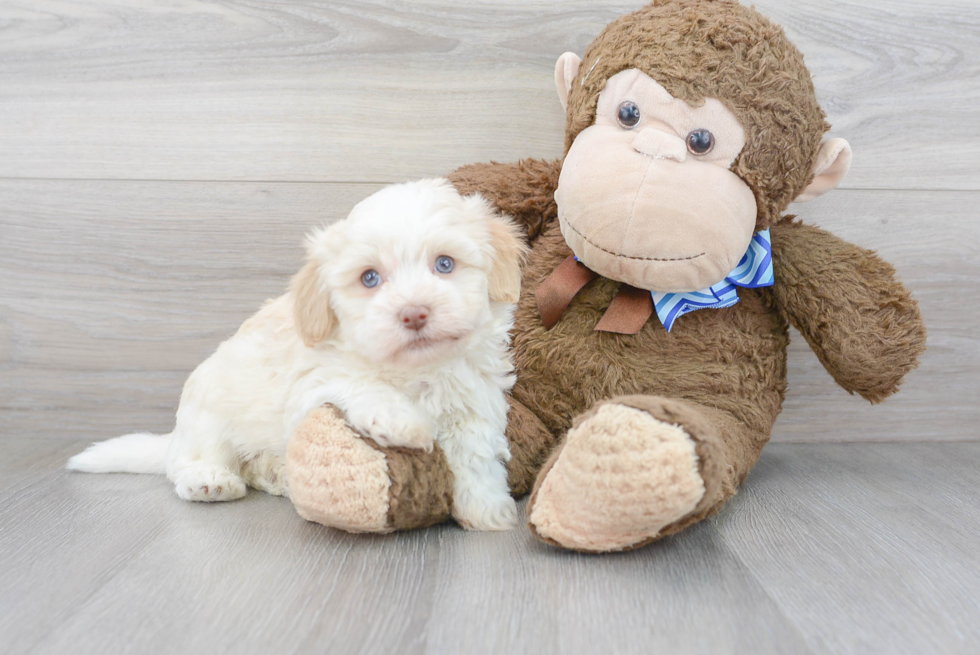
(311, 305)
(509, 248)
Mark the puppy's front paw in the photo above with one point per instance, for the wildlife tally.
(266, 472)
(395, 425)
(208, 483)
(495, 512)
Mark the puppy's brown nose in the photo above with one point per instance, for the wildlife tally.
(414, 317)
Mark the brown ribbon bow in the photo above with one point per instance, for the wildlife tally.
(627, 313)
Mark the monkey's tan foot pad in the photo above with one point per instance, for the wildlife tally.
(619, 479)
(344, 481)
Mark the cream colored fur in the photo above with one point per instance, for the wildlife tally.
(332, 339)
(621, 477)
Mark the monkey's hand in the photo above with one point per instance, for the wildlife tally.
(524, 190)
(849, 305)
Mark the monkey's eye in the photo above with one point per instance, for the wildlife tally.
(628, 115)
(700, 142)
(370, 278)
(445, 264)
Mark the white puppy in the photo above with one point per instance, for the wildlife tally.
(400, 317)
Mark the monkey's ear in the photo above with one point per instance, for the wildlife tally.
(509, 250)
(830, 167)
(566, 68)
(311, 305)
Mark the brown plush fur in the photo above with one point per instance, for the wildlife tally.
(720, 374)
(524, 190)
(868, 348)
(421, 492)
(530, 444)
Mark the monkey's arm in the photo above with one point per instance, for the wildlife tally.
(525, 190)
(862, 323)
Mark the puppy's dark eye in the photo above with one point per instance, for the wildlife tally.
(370, 278)
(700, 142)
(628, 115)
(445, 264)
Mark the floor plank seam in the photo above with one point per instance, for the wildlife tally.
(76, 607)
(749, 573)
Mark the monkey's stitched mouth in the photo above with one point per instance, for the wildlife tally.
(621, 256)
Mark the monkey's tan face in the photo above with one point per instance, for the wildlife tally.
(646, 196)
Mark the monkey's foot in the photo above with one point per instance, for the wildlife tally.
(344, 481)
(618, 480)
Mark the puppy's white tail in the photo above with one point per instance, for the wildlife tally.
(140, 452)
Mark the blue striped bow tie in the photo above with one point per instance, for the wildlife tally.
(753, 271)
(631, 307)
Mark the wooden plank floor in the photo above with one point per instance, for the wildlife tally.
(159, 164)
(829, 548)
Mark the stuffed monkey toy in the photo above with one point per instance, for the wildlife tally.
(650, 339)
